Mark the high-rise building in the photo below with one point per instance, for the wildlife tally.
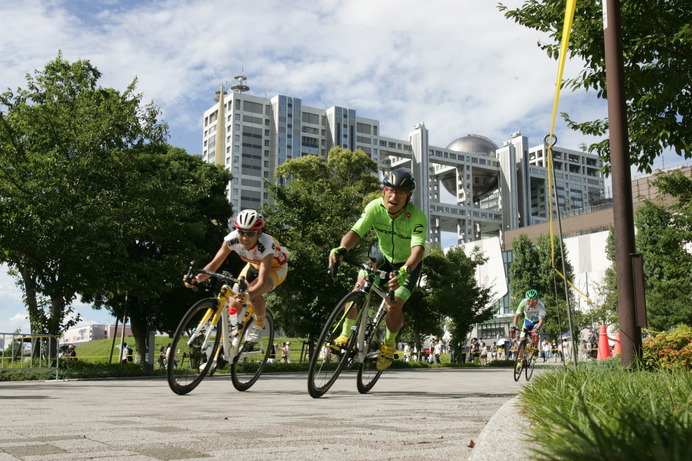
(472, 188)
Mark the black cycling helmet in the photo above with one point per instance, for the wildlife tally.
(532, 295)
(401, 179)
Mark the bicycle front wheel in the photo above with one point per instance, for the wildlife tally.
(368, 374)
(518, 360)
(531, 362)
(328, 359)
(252, 357)
(194, 347)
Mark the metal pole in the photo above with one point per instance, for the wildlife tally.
(623, 209)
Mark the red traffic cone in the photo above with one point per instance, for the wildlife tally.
(617, 350)
(603, 347)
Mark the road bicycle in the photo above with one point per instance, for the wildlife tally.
(205, 339)
(363, 347)
(526, 355)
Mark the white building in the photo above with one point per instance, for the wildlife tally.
(472, 188)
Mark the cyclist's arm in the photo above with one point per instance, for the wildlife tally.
(417, 253)
(516, 319)
(348, 241)
(214, 264)
(540, 323)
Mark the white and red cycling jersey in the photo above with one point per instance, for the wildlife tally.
(266, 244)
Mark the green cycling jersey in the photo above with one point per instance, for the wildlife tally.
(396, 236)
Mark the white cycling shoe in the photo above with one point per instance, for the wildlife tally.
(255, 334)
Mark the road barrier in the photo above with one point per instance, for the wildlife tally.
(29, 352)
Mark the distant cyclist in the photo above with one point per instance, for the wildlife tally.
(533, 310)
(401, 229)
(267, 264)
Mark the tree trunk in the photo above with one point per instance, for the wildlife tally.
(139, 333)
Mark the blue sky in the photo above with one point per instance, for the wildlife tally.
(458, 66)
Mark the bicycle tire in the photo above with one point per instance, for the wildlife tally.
(251, 359)
(323, 371)
(531, 363)
(181, 378)
(518, 365)
(368, 374)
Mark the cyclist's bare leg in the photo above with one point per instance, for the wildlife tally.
(259, 306)
(395, 314)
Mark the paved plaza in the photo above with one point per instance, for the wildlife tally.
(409, 415)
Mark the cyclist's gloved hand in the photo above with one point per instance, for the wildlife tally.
(339, 251)
(403, 275)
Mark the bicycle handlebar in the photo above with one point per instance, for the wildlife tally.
(193, 271)
(361, 265)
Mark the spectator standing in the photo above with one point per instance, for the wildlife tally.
(546, 350)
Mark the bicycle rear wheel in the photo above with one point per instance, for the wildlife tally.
(328, 359)
(194, 347)
(518, 360)
(251, 358)
(531, 362)
(368, 374)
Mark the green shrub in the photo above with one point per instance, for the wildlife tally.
(669, 350)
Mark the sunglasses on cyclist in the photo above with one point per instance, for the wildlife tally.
(247, 233)
(395, 191)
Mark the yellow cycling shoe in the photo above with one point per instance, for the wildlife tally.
(386, 357)
(341, 340)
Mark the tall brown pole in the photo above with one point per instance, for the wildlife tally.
(623, 210)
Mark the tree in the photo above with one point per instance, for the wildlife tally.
(664, 236)
(524, 273)
(314, 204)
(664, 233)
(189, 222)
(552, 288)
(451, 289)
(66, 147)
(97, 205)
(657, 69)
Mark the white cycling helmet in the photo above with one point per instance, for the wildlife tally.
(248, 219)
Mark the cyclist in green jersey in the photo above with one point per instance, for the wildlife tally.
(401, 228)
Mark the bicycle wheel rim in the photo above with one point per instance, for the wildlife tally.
(251, 359)
(189, 363)
(368, 374)
(518, 367)
(327, 360)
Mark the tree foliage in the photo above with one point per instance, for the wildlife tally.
(664, 237)
(94, 203)
(656, 41)
(451, 289)
(314, 204)
(65, 145)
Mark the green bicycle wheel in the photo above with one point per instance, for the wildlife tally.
(328, 359)
(194, 347)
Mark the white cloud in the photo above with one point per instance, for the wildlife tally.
(460, 67)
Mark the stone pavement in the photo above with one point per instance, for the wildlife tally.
(409, 415)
